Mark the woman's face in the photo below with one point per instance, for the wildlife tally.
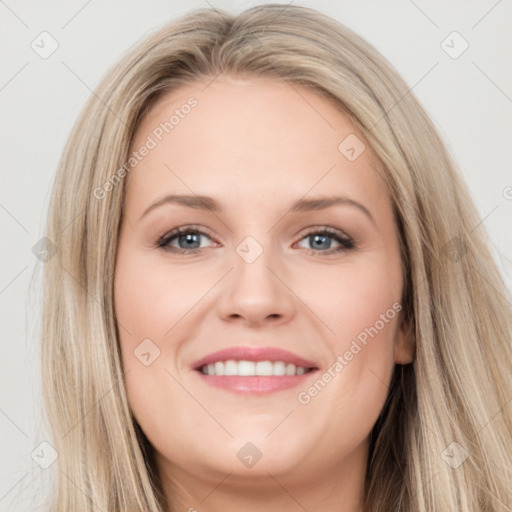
(259, 279)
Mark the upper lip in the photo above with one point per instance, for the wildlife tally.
(242, 353)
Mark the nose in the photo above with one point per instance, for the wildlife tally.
(257, 292)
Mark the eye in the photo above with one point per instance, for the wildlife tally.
(319, 239)
(188, 240)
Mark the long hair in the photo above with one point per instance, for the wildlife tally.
(443, 441)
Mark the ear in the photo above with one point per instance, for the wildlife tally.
(404, 347)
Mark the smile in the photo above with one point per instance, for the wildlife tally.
(254, 370)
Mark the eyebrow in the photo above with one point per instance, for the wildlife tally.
(207, 203)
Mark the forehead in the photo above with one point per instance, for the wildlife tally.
(250, 138)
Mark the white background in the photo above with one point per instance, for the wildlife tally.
(468, 98)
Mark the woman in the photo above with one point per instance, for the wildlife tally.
(261, 369)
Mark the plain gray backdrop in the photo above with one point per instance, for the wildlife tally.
(467, 92)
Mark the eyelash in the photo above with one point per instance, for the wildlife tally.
(164, 241)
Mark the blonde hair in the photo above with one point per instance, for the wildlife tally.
(457, 390)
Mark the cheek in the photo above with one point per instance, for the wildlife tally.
(360, 306)
(148, 303)
(356, 301)
(151, 299)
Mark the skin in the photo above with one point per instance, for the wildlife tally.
(257, 145)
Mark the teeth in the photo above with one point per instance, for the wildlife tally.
(290, 369)
(245, 368)
(251, 368)
(264, 368)
(230, 368)
(278, 368)
(219, 368)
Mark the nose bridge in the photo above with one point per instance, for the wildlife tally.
(254, 291)
(253, 262)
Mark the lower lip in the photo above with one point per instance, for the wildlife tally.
(255, 384)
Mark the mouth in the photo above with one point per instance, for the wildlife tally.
(250, 370)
